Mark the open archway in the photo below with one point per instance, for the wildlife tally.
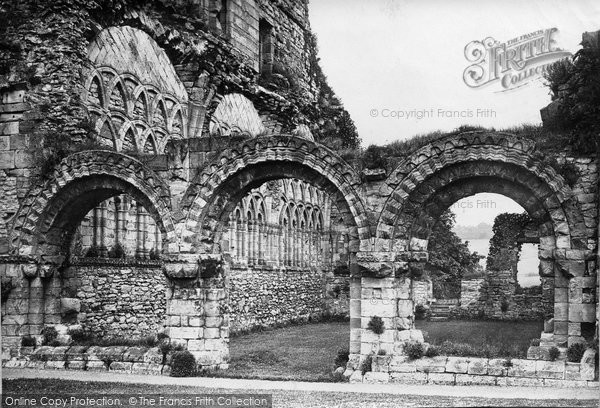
(438, 175)
(212, 197)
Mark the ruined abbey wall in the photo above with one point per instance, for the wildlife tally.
(226, 97)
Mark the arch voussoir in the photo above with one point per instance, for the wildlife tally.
(81, 173)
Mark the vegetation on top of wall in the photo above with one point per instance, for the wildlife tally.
(449, 259)
(339, 130)
(575, 86)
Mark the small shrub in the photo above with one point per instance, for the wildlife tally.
(432, 351)
(554, 353)
(342, 357)
(376, 325)
(381, 352)
(534, 342)
(373, 157)
(92, 252)
(414, 350)
(210, 268)
(507, 363)
(80, 336)
(367, 364)
(117, 252)
(28, 341)
(154, 254)
(420, 312)
(49, 334)
(183, 365)
(575, 352)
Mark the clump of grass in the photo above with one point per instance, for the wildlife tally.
(554, 353)
(342, 357)
(376, 325)
(414, 350)
(575, 352)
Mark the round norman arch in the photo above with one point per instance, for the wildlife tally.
(454, 167)
(214, 192)
(50, 213)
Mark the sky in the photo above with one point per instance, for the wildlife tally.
(388, 58)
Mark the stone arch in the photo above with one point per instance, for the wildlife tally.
(214, 192)
(475, 160)
(457, 166)
(49, 214)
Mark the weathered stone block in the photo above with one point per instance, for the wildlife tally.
(403, 367)
(522, 368)
(441, 378)
(477, 366)
(185, 332)
(376, 378)
(587, 365)
(468, 379)
(212, 333)
(196, 345)
(58, 353)
(582, 312)
(153, 356)
(134, 354)
(183, 307)
(146, 368)
(431, 364)
(457, 365)
(405, 308)
(43, 353)
(408, 378)
(520, 382)
(550, 369)
(55, 365)
(356, 377)
(497, 366)
(96, 366)
(76, 365)
(121, 366)
(572, 371)
(378, 307)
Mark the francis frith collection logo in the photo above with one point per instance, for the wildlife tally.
(511, 64)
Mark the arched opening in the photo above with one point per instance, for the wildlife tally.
(98, 229)
(477, 288)
(278, 280)
(453, 168)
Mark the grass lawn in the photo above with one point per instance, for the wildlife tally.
(514, 337)
(281, 398)
(307, 352)
(303, 353)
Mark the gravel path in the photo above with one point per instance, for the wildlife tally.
(291, 393)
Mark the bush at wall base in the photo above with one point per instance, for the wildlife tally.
(183, 364)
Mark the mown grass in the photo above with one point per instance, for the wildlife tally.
(481, 338)
(305, 352)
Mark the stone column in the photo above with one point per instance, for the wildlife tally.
(96, 227)
(103, 248)
(139, 249)
(35, 313)
(197, 317)
(251, 253)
